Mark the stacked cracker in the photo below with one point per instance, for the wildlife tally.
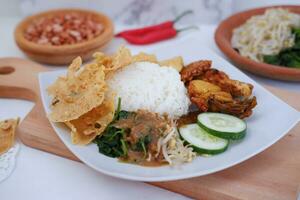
(82, 99)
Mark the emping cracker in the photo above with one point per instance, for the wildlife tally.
(93, 123)
(79, 92)
(144, 57)
(176, 63)
(112, 63)
(7, 134)
(121, 59)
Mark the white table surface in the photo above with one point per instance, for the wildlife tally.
(40, 175)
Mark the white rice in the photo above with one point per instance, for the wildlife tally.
(145, 85)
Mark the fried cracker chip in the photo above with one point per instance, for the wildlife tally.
(143, 57)
(93, 123)
(121, 59)
(79, 92)
(7, 134)
(102, 59)
(176, 63)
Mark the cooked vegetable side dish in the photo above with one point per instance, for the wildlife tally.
(270, 38)
(144, 138)
(149, 112)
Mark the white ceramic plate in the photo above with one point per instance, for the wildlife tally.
(271, 120)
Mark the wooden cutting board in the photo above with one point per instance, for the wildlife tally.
(273, 174)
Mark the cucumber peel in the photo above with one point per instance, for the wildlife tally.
(201, 141)
(222, 125)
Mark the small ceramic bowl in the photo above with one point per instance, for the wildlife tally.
(223, 36)
(63, 54)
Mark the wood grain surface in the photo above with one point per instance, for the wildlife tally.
(273, 174)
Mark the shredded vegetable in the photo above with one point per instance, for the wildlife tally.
(173, 148)
(265, 34)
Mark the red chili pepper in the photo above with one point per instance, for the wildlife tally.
(145, 30)
(157, 27)
(155, 36)
(151, 37)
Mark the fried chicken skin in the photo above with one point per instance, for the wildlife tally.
(234, 87)
(194, 69)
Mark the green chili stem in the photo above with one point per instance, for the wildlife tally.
(187, 28)
(182, 15)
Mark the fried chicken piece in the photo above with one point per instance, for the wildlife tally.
(201, 70)
(194, 69)
(212, 90)
(239, 108)
(200, 92)
(234, 87)
(210, 97)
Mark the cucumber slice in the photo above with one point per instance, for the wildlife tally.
(222, 125)
(201, 141)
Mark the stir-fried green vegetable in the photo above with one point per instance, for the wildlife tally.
(289, 57)
(142, 144)
(112, 142)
